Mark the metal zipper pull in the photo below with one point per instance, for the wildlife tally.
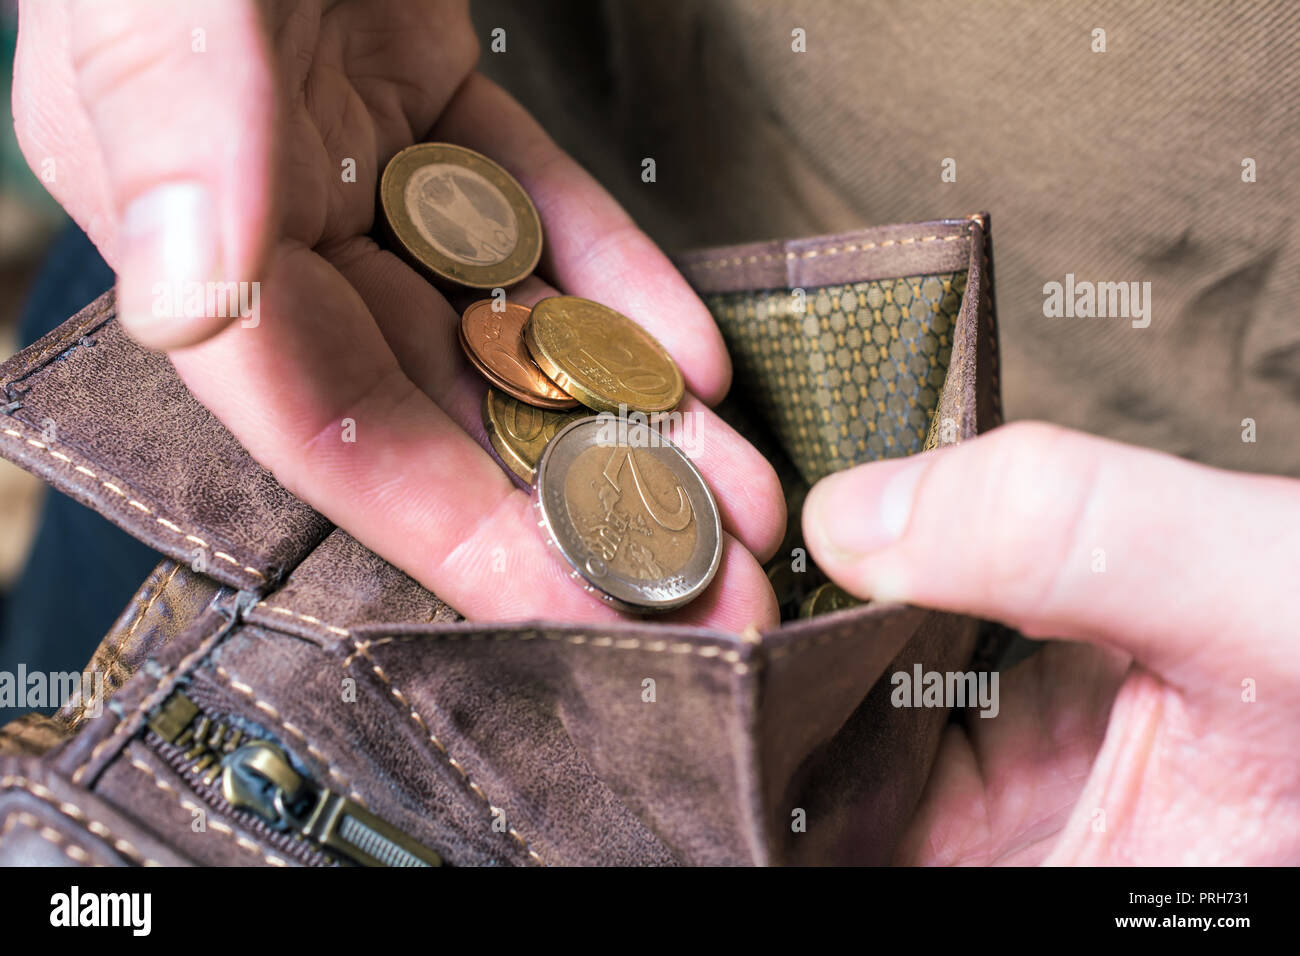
(259, 777)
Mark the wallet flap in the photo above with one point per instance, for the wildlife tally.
(110, 424)
(859, 346)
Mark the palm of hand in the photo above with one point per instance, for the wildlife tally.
(349, 332)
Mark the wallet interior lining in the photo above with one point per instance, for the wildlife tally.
(844, 374)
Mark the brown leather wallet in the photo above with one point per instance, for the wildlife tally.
(277, 694)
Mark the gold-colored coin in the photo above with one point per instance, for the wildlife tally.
(519, 432)
(601, 357)
(634, 520)
(829, 597)
(458, 217)
(785, 585)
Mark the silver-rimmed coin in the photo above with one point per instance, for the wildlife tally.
(629, 513)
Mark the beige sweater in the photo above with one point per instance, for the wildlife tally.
(1117, 166)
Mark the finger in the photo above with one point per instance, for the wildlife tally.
(1063, 534)
(182, 104)
(51, 125)
(739, 599)
(592, 248)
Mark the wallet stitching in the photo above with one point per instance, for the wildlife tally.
(290, 729)
(820, 640)
(160, 692)
(84, 338)
(829, 252)
(341, 631)
(241, 841)
(46, 795)
(704, 651)
(362, 649)
(72, 851)
(118, 651)
(133, 503)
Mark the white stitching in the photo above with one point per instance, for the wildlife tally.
(704, 651)
(121, 645)
(71, 850)
(45, 794)
(341, 631)
(814, 253)
(242, 842)
(131, 502)
(362, 649)
(290, 729)
(150, 700)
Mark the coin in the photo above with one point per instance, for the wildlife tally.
(601, 357)
(635, 520)
(458, 217)
(519, 433)
(829, 597)
(784, 584)
(494, 343)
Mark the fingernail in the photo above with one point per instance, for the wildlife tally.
(867, 508)
(168, 241)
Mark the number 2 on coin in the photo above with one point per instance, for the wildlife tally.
(671, 521)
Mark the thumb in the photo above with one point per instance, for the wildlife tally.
(181, 102)
(1064, 535)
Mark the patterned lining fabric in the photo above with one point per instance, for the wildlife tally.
(852, 373)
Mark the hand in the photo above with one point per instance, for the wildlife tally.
(1137, 739)
(226, 164)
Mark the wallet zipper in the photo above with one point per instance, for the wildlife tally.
(287, 809)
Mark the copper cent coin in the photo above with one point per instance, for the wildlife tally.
(601, 357)
(634, 519)
(494, 344)
(519, 433)
(458, 217)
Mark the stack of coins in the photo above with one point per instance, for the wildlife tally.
(627, 511)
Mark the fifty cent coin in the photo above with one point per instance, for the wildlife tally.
(458, 217)
(601, 357)
(494, 344)
(635, 521)
(519, 433)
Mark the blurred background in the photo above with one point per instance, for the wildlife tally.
(29, 219)
(65, 573)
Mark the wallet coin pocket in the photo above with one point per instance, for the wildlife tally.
(351, 693)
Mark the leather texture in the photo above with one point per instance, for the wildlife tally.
(168, 601)
(111, 424)
(523, 744)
